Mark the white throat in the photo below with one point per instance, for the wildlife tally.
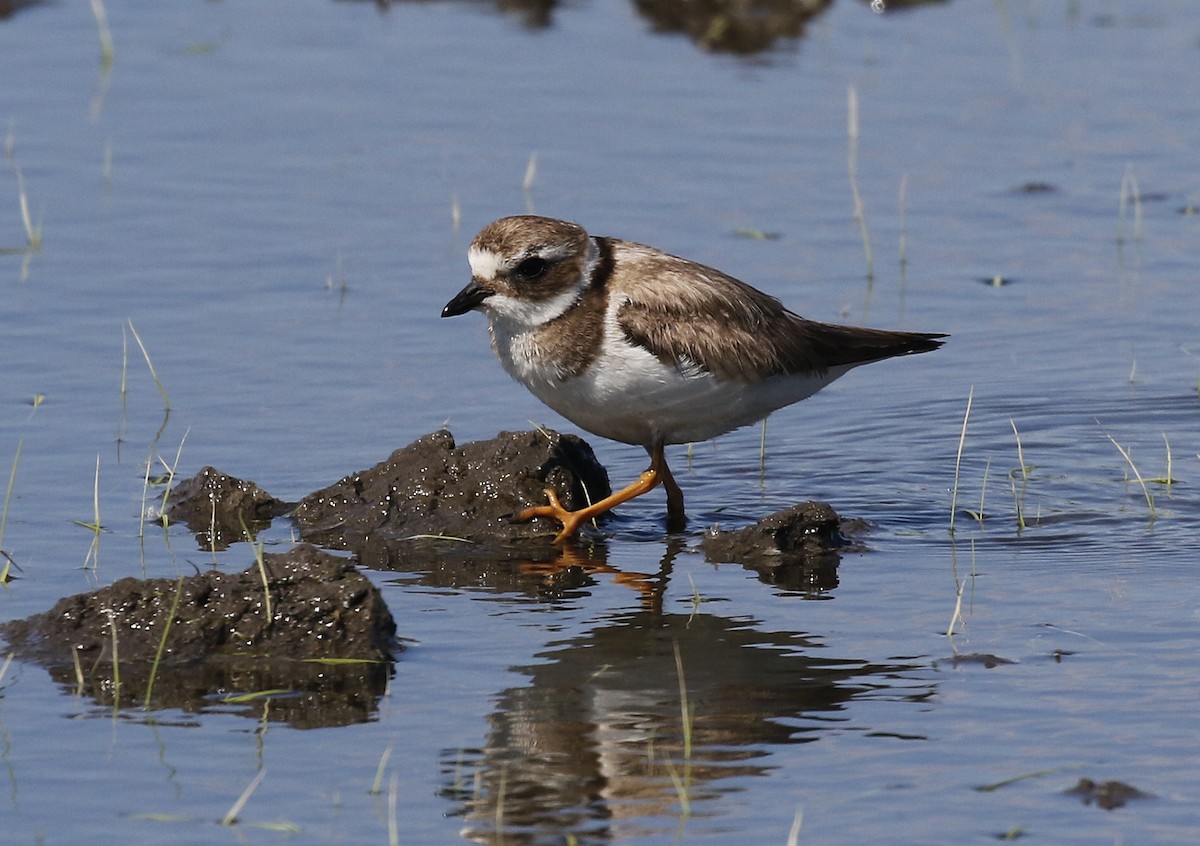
(513, 314)
(521, 313)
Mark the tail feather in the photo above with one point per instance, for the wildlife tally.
(850, 345)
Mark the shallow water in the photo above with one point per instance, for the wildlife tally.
(265, 194)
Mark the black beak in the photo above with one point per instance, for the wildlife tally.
(467, 299)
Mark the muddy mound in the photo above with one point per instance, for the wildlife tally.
(434, 496)
(1108, 795)
(319, 637)
(220, 509)
(798, 548)
(319, 606)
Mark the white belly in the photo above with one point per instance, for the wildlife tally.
(628, 395)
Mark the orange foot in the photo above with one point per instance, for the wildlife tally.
(572, 520)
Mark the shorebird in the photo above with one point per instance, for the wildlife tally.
(639, 346)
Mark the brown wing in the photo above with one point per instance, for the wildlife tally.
(687, 314)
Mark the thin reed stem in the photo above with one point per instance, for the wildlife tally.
(860, 214)
(962, 439)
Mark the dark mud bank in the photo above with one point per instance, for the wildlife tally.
(306, 623)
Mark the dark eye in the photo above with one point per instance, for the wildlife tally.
(531, 268)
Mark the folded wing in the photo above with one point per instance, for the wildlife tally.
(734, 331)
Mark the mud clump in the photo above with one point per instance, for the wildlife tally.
(320, 607)
(458, 498)
(219, 509)
(323, 652)
(798, 548)
(1108, 795)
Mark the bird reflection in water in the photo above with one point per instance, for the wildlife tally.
(636, 726)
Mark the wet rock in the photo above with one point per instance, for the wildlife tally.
(219, 508)
(323, 653)
(433, 497)
(1106, 794)
(797, 548)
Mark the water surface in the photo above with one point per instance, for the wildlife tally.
(278, 199)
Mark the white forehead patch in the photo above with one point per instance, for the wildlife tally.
(485, 264)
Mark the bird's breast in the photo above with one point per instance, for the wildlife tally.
(623, 392)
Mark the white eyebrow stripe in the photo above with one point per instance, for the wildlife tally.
(553, 253)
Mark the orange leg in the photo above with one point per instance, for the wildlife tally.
(658, 473)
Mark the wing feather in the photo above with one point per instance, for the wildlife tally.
(689, 315)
